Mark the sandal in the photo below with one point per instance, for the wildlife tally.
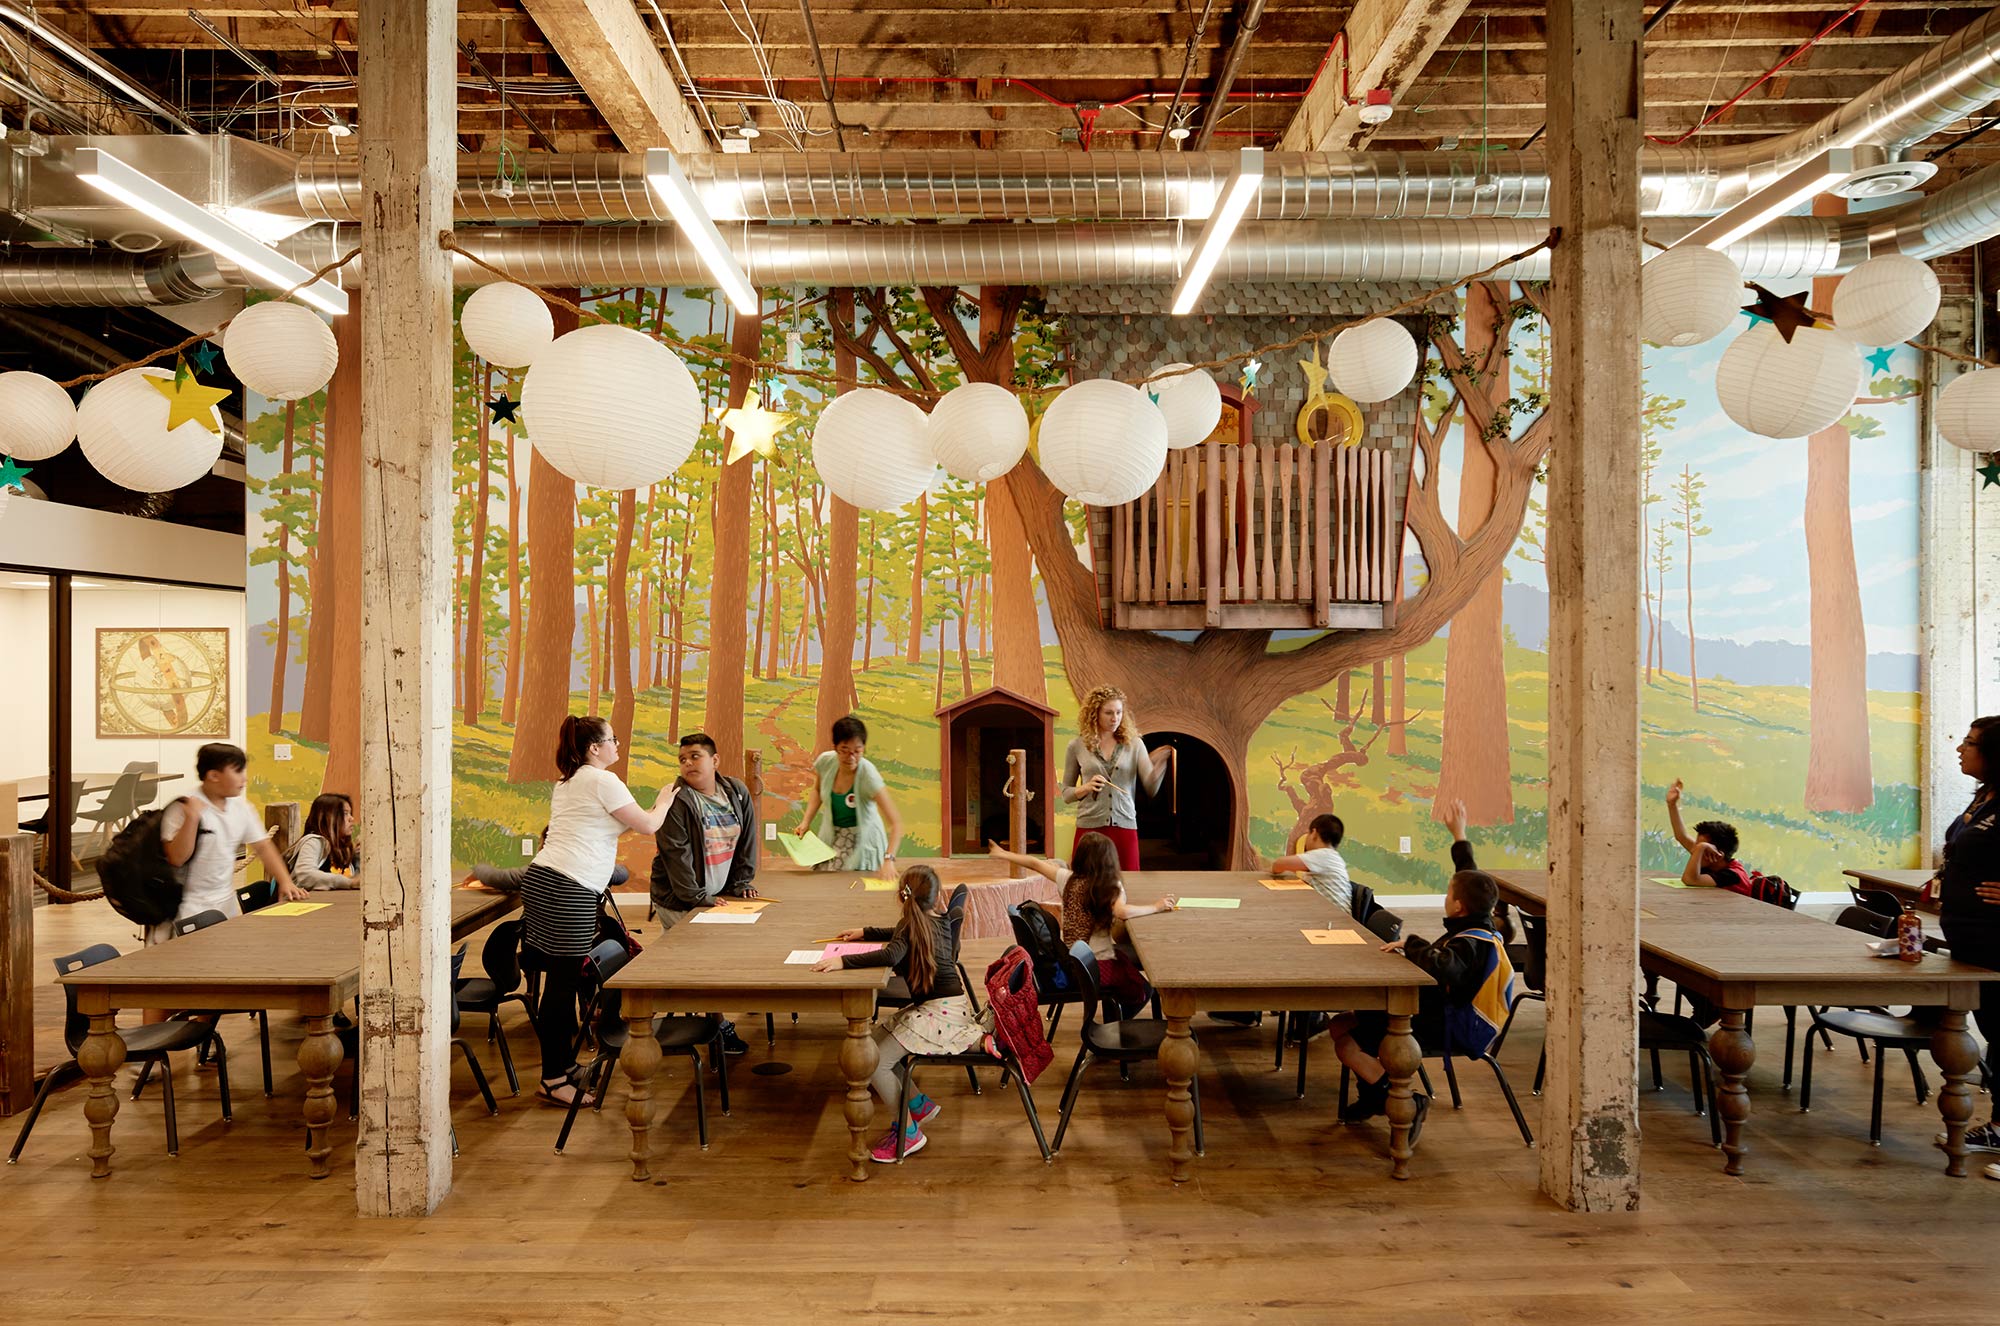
(577, 1095)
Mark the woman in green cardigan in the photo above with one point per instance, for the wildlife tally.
(849, 804)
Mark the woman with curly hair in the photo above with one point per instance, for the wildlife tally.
(1103, 769)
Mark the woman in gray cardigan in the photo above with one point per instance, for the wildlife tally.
(1104, 768)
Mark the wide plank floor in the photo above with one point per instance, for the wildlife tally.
(1291, 1216)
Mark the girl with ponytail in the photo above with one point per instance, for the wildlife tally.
(922, 948)
(565, 884)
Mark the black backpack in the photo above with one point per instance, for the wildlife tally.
(139, 881)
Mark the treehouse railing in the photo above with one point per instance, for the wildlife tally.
(1259, 535)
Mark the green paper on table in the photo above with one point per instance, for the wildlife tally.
(1667, 881)
(1210, 902)
(807, 849)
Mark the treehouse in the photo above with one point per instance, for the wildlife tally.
(1263, 535)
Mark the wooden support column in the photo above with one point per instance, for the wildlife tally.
(1590, 1134)
(407, 80)
(17, 980)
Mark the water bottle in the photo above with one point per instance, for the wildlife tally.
(1909, 936)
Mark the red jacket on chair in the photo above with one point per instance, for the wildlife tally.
(1017, 1017)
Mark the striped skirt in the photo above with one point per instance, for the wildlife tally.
(558, 915)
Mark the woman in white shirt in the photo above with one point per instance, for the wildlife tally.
(564, 887)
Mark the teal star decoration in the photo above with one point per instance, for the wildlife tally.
(12, 474)
(1250, 372)
(503, 409)
(1788, 313)
(1989, 472)
(1879, 359)
(1755, 318)
(1153, 395)
(204, 357)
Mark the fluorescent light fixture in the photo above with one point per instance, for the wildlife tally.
(1772, 201)
(664, 173)
(112, 177)
(1221, 225)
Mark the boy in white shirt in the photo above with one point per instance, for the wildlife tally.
(1319, 861)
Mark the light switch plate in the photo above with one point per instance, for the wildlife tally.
(527, 847)
(770, 833)
(282, 751)
(1404, 846)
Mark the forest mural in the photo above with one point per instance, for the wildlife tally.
(742, 599)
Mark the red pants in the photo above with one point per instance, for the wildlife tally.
(1125, 840)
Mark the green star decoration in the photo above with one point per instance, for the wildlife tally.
(11, 474)
(1989, 472)
(503, 409)
(1250, 372)
(1878, 361)
(204, 357)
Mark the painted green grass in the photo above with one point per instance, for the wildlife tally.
(1743, 758)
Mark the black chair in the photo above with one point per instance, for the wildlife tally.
(1876, 1026)
(458, 1042)
(1534, 973)
(676, 1033)
(972, 1059)
(187, 925)
(1666, 1032)
(1386, 925)
(896, 992)
(501, 984)
(150, 1044)
(1876, 900)
(1055, 985)
(1123, 1041)
(254, 897)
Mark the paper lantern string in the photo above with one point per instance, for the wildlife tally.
(204, 356)
(13, 475)
(502, 408)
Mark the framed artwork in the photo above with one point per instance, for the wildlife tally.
(163, 682)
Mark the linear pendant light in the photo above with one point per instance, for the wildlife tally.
(664, 174)
(1774, 200)
(1221, 225)
(112, 177)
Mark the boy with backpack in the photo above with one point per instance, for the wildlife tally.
(1712, 859)
(202, 834)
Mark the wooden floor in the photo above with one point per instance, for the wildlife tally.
(1291, 1217)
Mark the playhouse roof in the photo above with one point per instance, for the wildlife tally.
(990, 694)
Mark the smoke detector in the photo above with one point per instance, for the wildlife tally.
(748, 129)
(1886, 178)
(1375, 107)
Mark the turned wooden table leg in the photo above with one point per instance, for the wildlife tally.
(1180, 1059)
(1956, 1055)
(858, 1058)
(319, 1059)
(1401, 1056)
(100, 1056)
(1733, 1052)
(641, 1060)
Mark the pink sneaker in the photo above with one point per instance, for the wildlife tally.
(884, 1152)
(931, 1109)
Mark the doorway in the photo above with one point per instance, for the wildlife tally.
(1191, 823)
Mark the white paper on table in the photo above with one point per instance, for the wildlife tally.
(725, 918)
(802, 957)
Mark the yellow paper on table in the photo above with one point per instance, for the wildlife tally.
(877, 885)
(1667, 881)
(291, 909)
(807, 849)
(1331, 937)
(743, 904)
(1284, 884)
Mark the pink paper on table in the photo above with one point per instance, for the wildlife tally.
(843, 950)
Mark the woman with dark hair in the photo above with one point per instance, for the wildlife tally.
(564, 887)
(1104, 768)
(849, 804)
(324, 856)
(1968, 892)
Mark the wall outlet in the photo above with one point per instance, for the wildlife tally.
(1403, 846)
(282, 751)
(770, 832)
(527, 847)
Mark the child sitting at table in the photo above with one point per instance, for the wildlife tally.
(1711, 851)
(1094, 911)
(1475, 985)
(1318, 860)
(939, 1019)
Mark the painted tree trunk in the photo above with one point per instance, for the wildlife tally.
(1652, 625)
(1475, 757)
(731, 586)
(282, 648)
(647, 577)
(1399, 667)
(1342, 696)
(1688, 522)
(591, 673)
(340, 547)
(511, 686)
(915, 652)
(1378, 700)
(765, 551)
(868, 624)
(623, 700)
(551, 630)
(475, 612)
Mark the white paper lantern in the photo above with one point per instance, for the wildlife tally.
(611, 407)
(978, 431)
(280, 350)
(1968, 410)
(1780, 390)
(1103, 443)
(37, 417)
(1688, 295)
(1885, 300)
(873, 449)
(506, 324)
(1374, 361)
(122, 428)
(1191, 402)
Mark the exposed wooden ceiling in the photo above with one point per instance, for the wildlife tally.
(1039, 74)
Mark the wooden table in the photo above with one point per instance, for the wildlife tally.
(1905, 884)
(1740, 953)
(37, 787)
(310, 964)
(695, 968)
(1255, 957)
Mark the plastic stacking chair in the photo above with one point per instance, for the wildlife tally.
(187, 925)
(148, 790)
(1122, 1041)
(500, 985)
(149, 1044)
(677, 1034)
(108, 816)
(1055, 985)
(1884, 1030)
(458, 1042)
(1386, 926)
(975, 1057)
(1667, 1032)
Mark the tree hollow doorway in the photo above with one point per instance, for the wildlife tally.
(1191, 823)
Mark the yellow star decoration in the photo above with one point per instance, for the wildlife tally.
(189, 401)
(1314, 371)
(753, 428)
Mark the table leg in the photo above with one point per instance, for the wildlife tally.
(1956, 1055)
(858, 1058)
(1402, 1057)
(1180, 1058)
(100, 1057)
(1731, 1048)
(641, 1060)
(319, 1059)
